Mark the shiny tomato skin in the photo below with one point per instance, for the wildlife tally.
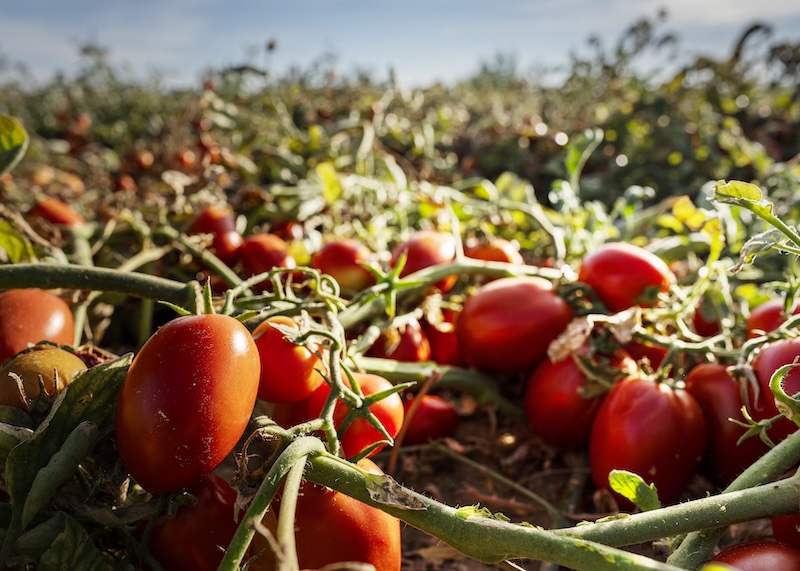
(408, 344)
(33, 315)
(186, 400)
(623, 275)
(770, 358)
(289, 372)
(649, 429)
(219, 222)
(496, 250)
(426, 248)
(344, 261)
(360, 433)
(760, 556)
(445, 349)
(720, 398)
(57, 212)
(507, 324)
(766, 317)
(264, 252)
(433, 419)
(197, 535)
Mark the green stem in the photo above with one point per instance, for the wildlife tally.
(286, 538)
(208, 259)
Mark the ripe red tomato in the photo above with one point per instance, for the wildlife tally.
(427, 248)
(28, 316)
(786, 529)
(641, 352)
(507, 324)
(760, 556)
(221, 224)
(652, 430)
(186, 400)
(445, 349)
(705, 319)
(289, 372)
(197, 535)
(721, 400)
(57, 212)
(767, 317)
(770, 358)
(434, 418)
(361, 434)
(496, 250)
(623, 275)
(264, 252)
(407, 343)
(344, 261)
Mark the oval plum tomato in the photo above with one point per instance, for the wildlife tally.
(344, 261)
(263, 252)
(445, 349)
(186, 400)
(360, 434)
(495, 250)
(556, 410)
(760, 556)
(407, 343)
(57, 212)
(652, 430)
(28, 316)
(55, 366)
(221, 224)
(766, 317)
(786, 529)
(289, 372)
(426, 248)
(720, 398)
(623, 275)
(432, 419)
(331, 527)
(769, 359)
(705, 319)
(507, 324)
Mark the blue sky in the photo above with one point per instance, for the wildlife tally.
(423, 40)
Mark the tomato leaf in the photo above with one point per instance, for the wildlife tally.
(634, 488)
(61, 543)
(16, 246)
(13, 143)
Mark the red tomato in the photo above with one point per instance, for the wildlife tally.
(623, 275)
(786, 529)
(769, 359)
(264, 252)
(705, 319)
(407, 343)
(641, 352)
(649, 429)
(434, 418)
(289, 372)
(554, 407)
(496, 250)
(767, 317)
(427, 248)
(361, 434)
(220, 223)
(721, 400)
(760, 556)
(331, 527)
(507, 324)
(28, 316)
(197, 535)
(344, 261)
(186, 400)
(445, 349)
(57, 212)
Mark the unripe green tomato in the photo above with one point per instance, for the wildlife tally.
(56, 367)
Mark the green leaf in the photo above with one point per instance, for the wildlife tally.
(61, 543)
(635, 489)
(13, 143)
(331, 187)
(736, 190)
(16, 246)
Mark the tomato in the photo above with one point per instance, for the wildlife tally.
(507, 324)
(642, 353)
(652, 430)
(445, 349)
(760, 556)
(55, 366)
(221, 224)
(426, 248)
(263, 252)
(434, 418)
(705, 319)
(360, 434)
(720, 398)
(495, 250)
(623, 275)
(344, 261)
(786, 529)
(767, 317)
(770, 358)
(33, 315)
(289, 372)
(186, 400)
(555, 409)
(331, 527)
(57, 212)
(407, 343)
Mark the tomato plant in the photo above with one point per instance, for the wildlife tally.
(494, 250)
(770, 358)
(289, 372)
(344, 260)
(766, 317)
(507, 324)
(623, 275)
(759, 556)
(54, 366)
(56, 212)
(433, 418)
(652, 430)
(407, 342)
(28, 316)
(427, 248)
(221, 224)
(186, 400)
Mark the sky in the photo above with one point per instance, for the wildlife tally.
(423, 41)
